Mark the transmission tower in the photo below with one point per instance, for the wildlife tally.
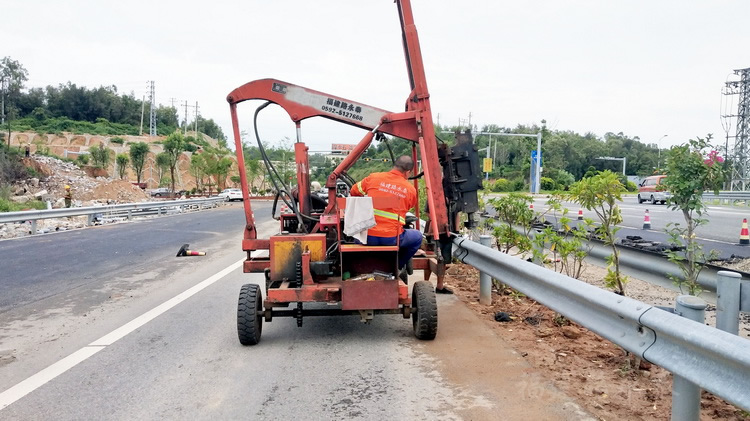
(152, 100)
(741, 153)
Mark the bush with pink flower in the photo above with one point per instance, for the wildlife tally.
(691, 171)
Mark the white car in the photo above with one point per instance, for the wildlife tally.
(231, 194)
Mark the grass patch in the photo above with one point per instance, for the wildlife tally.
(11, 206)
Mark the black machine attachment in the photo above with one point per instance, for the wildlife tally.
(462, 178)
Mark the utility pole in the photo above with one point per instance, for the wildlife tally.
(186, 121)
(2, 99)
(196, 119)
(152, 99)
(143, 109)
(172, 100)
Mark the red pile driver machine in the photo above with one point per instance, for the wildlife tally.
(310, 260)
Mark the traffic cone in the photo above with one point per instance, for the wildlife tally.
(580, 214)
(531, 206)
(185, 252)
(744, 234)
(646, 221)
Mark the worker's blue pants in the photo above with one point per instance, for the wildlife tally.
(409, 242)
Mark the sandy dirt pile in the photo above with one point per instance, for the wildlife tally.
(606, 381)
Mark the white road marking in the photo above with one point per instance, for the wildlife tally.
(39, 379)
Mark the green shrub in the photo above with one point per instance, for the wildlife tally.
(118, 140)
(500, 185)
(548, 184)
(11, 167)
(563, 179)
(82, 159)
(11, 206)
(631, 186)
(100, 156)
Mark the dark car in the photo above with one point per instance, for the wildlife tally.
(166, 192)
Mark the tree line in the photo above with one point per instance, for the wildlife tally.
(68, 107)
(567, 156)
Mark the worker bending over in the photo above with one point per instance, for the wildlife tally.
(390, 221)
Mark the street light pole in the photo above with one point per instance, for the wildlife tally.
(658, 159)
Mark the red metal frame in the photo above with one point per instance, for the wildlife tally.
(414, 124)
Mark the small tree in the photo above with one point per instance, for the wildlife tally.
(198, 170)
(253, 171)
(600, 193)
(100, 156)
(122, 164)
(162, 163)
(513, 210)
(12, 77)
(689, 174)
(138, 152)
(568, 244)
(173, 147)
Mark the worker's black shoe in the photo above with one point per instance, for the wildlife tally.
(404, 276)
(443, 290)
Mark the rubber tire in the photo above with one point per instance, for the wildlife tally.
(425, 304)
(640, 200)
(249, 322)
(653, 201)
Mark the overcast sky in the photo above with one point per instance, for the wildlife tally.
(644, 68)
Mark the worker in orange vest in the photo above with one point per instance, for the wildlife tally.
(390, 221)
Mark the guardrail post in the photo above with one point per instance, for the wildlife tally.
(485, 281)
(728, 301)
(130, 214)
(33, 227)
(90, 219)
(686, 396)
(745, 296)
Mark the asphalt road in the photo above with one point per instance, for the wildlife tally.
(39, 267)
(108, 324)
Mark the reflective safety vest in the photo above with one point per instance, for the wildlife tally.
(389, 221)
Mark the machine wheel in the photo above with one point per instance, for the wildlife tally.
(426, 319)
(249, 320)
(653, 200)
(640, 200)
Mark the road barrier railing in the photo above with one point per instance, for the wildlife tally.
(729, 197)
(125, 210)
(712, 359)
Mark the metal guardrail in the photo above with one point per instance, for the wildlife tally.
(729, 197)
(712, 359)
(125, 209)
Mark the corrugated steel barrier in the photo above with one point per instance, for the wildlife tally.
(716, 361)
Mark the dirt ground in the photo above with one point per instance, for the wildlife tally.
(55, 174)
(580, 363)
